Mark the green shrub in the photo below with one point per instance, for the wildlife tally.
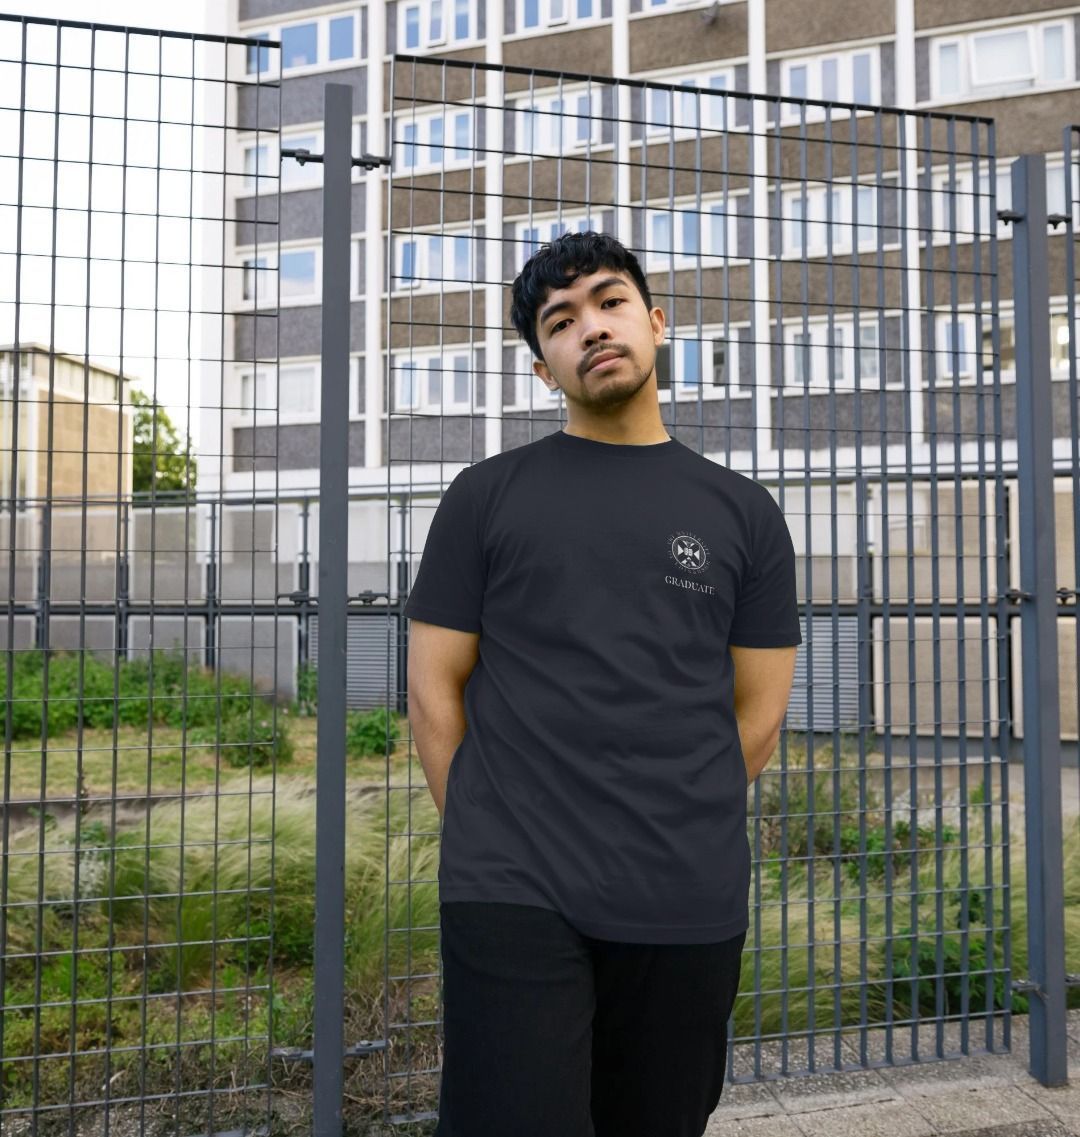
(307, 690)
(366, 732)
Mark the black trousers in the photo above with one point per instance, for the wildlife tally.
(551, 1033)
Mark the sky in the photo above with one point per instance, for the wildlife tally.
(176, 287)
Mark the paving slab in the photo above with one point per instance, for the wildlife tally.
(896, 1119)
(972, 1107)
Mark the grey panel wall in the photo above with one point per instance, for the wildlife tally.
(826, 661)
(371, 674)
(254, 647)
(296, 447)
(301, 216)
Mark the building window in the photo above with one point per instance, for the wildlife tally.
(680, 236)
(707, 366)
(293, 392)
(1002, 60)
(554, 124)
(297, 274)
(529, 389)
(529, 238)
(533, 14)
(295, 176)
(685, 112)
(423, 24)
(430, 261)
(424, 146)
(954, 200)
(433, 382)
(256, 165)
(258, 58)
(820, 357)
(314, 42)
(820, 219)
(843, 76)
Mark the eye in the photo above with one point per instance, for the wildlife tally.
(609, 300)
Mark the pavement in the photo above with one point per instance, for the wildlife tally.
(984, 1095)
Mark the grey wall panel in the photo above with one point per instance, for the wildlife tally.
(922, 68)
(259, 108)
(95, 634)
(391, 27)
(164, 565)
(935, 681)
(302, 98)
(827, 661)
(301, 216)
(510, 16)
(368, 682)
(22, 634)
(296, 447)
(166, 633)
(301, 330)
(263, 648)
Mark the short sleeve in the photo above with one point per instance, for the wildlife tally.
(449, 585)
(767, 610)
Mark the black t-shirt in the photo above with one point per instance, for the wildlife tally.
(601, 773)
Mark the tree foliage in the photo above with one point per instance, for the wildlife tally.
(162, 461)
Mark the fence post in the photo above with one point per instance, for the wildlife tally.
(328, 1047)
(1038, 607)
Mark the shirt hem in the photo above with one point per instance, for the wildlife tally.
(600, 929)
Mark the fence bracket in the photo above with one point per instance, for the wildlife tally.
(359, 1049)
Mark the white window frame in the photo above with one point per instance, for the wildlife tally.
(820, 380)
(550, 18)
(965, 200)
(791, 113)
(709, 334)
(974, 86)
(448, 36)
(970, 355)
(323, 62)
(268, 414)
(818, 227)
(547, 228)
(526, 380)
(658, 261)
(271, 266)
(659, 7)
(552, 134)
(427, 161)
(717, 108)
(421, 361)
(427, 279)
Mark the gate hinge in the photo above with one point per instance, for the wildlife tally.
(1006, 215)
(1016, 595)
(359, 1049)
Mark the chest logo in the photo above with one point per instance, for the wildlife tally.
(690, 553)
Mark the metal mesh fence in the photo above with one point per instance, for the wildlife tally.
(829, 273)
(141, 643)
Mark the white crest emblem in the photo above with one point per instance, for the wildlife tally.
(690, 553)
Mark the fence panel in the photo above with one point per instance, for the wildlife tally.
(830, 280)
(137, 927)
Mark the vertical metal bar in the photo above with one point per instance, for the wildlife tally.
(1042, 734)
(328, 1046)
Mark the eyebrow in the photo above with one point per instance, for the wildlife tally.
(599, 286)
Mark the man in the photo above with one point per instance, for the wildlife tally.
(601, 650)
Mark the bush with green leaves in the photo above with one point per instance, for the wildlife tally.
(367, 732)
(163, 688)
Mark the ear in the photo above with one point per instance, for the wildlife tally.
(541, 368)
(656, 315)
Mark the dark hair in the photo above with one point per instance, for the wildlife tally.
(558, 264)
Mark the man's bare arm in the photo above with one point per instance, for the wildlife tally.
(439, 665)
(763, 678)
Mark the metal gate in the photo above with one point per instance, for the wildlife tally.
(830, 274)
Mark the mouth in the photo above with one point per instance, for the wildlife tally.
(605, 359)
